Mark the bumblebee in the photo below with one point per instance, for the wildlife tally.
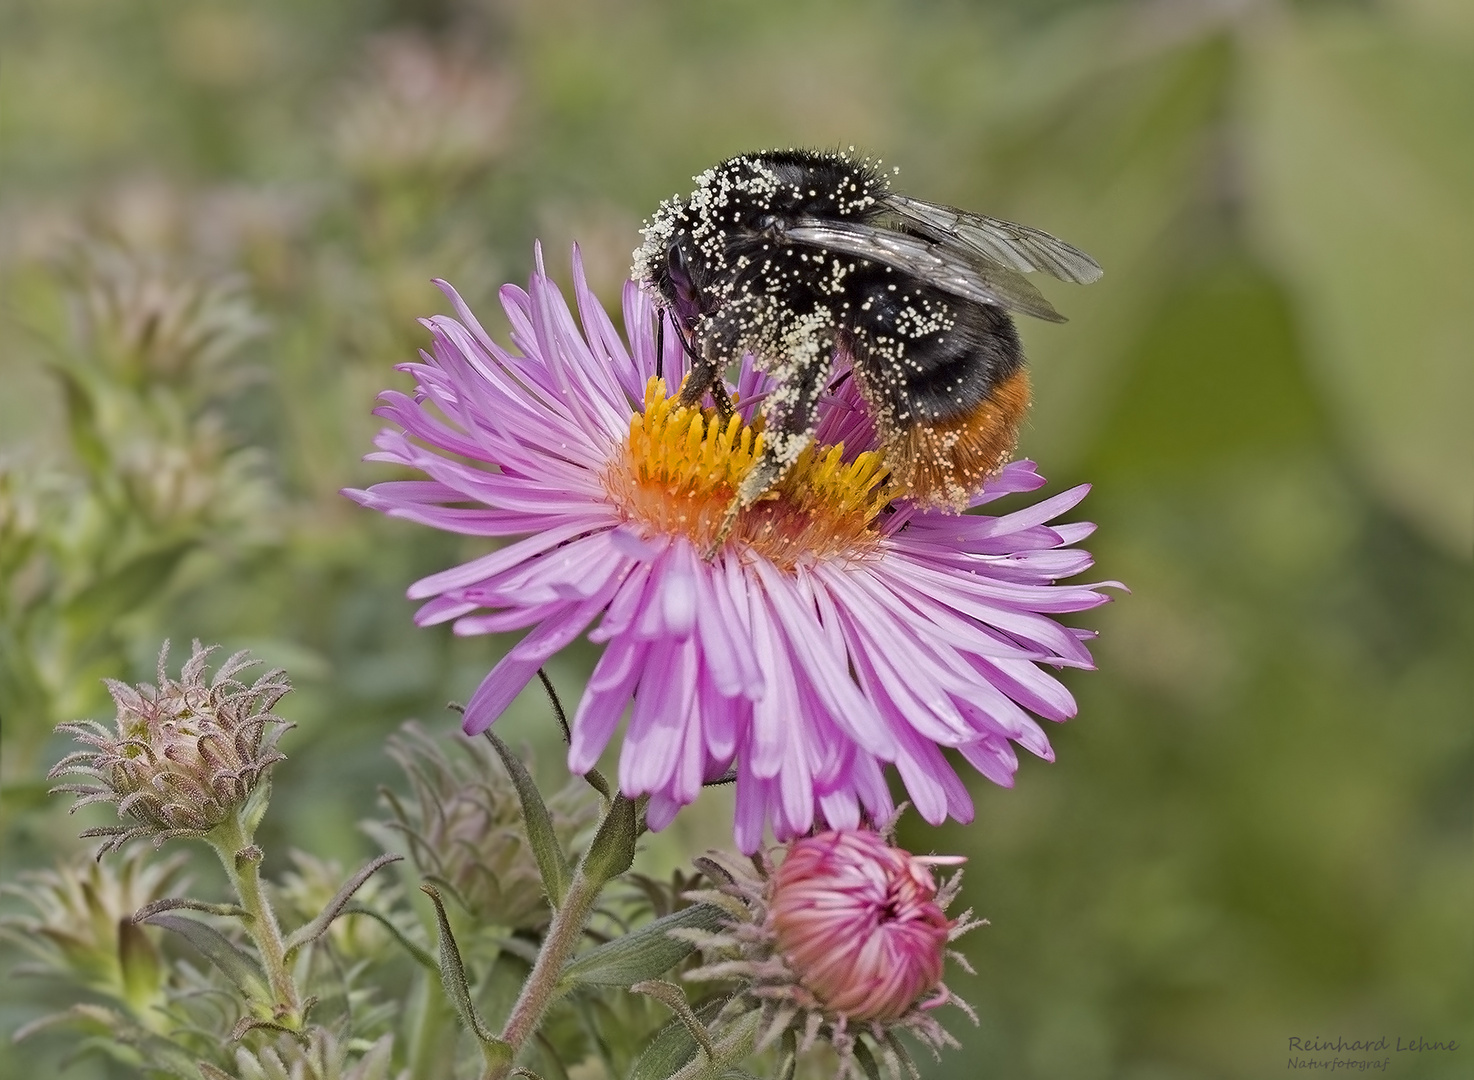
(806, 260)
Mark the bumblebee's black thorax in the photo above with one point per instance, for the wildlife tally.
(703, 252)
(791, 184)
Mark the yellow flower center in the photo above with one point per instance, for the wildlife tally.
(681, 467)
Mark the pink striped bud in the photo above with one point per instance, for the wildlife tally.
(858, 922)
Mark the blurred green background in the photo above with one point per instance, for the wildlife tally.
(218, 222)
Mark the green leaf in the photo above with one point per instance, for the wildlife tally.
(674, 998)
(552, 864)
(420, 956)
(457, 987)
(109, 1031)
(127, 587)
(866, 1060)
(237, 966)
(335, 907)
(87, 441)
(613, 848)
(23, 703)
(594, 777)
(788, 1056)
(175, 903)
(673, 1046)
(644, 954)
(140, 964)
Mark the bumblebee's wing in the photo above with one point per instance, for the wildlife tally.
(1018, 247)
(936, 264)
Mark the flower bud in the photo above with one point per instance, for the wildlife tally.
(421, 110)
(320, 1056)
(846, 938)
(858, 923)
(464, 827)
(185, 755)
(145, 320)
(81, 926)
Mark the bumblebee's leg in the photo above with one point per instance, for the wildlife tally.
(723, 400)
(788, 428)
(706, 375)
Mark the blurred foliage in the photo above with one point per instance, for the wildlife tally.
(219, 221)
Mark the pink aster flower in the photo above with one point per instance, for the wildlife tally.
(836, 631)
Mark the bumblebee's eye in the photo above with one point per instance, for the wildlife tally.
(678, 273)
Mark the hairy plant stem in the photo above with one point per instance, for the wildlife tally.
(557, 949)
(232, 843)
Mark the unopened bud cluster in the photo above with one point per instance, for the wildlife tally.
(464, 831)
(184, 755)
(148, 322)
(422, 110)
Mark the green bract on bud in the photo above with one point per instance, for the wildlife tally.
(186, 754)
(463, 827)
(81, 926)
(320, 1056)
(845, 937)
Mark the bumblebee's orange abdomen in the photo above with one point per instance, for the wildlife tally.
(945, 463)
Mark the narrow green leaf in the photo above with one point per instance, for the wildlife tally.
(175, 903)
(674, 998)
(110, 1031)
(867, 1060)
(93, 1019)
(552, 864)
(237, 966)
(647, 953)
(673, 1047)
(139, 962)
(594, 777)
(128, 586)
(788, 1055)
(335, 907)
(453, 975)
(87, 442)
(420, 955)
(523, 950)
(613, 848)
(23, 702)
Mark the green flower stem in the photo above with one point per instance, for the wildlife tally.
(731, 1046)
(541, 987)
(232, 843)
